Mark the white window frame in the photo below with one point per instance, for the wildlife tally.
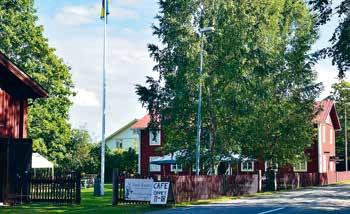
(271, 163)
(298, 167)
(324, 162)
(173, 167)
(331, 166)
(154, 167)
(331, 136)
(324, 133)
(151, 141)
(245, 168)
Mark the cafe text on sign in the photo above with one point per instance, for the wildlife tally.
(160, 192)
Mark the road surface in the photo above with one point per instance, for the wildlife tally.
(328, 199)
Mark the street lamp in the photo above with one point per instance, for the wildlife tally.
(346, 137)
(202, 31)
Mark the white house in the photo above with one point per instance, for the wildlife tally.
(124, 138)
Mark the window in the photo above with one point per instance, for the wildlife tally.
(154, 138)
(119, 143)
(173, 167)
(154, 167)
(324, 133)
(331, 136)
(324, 159)
(331, 166)
(247, 166)
(270, 164)
(300, 167)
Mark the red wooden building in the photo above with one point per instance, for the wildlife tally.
(321, 155)
(16, 87)
(151, 149)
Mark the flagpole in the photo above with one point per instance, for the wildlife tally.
(103, 101)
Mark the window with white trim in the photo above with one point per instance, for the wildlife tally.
(324, 133)
(247, 166)
(331, 136)
(300, 167)
(174, 166)
(331, 166)
(154, 167)
(270, 164)
(154, 138)
(324, 162)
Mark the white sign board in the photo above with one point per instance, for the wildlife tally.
(138, 189)
(160, 192)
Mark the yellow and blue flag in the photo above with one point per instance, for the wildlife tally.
(105, 8)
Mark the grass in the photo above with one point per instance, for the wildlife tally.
(343, 182)
(89, 204)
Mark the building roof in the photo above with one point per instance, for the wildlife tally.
(17, 82)
(39, 162)
(142, 123)
(128, 125)
(325, 108)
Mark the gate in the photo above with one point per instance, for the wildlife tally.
(15, 164)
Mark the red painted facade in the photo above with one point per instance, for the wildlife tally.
(13, 116)
(15, 89)
(321, 155)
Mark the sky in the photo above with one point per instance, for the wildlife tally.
(74, 29)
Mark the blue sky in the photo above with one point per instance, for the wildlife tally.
(73, 27)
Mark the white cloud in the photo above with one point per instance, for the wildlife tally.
(85, 98)
(122, 13)
(76, 15)
(131, 2)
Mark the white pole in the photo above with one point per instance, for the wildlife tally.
(103, 102)
(198, 143)
(346, 140)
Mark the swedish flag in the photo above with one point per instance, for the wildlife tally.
(103, 8)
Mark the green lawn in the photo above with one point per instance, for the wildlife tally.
(89, 204)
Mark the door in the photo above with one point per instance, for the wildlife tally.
(3, 150)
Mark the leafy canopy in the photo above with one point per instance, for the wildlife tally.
(23, 41)
(259, 88)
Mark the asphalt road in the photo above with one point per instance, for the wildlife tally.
(329, 199)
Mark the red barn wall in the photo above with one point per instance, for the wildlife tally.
(13, 115)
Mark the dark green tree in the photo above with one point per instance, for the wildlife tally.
(79, 153)
(23, 41)
(341, 95)
(259, 88)
(339, 51)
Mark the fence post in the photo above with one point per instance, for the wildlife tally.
(298, 180)
(78, 188)
(259, 181)
(115, 187)
(275, 179)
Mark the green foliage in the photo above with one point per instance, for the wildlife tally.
(341, 95)
(124, 161)
(23, 41)
(259, 88)
(79, 153)
(339, 51)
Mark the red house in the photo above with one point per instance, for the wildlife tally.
(16, 87)
(321, 155)
(151, 149)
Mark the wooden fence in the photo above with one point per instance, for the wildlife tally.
(190, 188)
(62, 189)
